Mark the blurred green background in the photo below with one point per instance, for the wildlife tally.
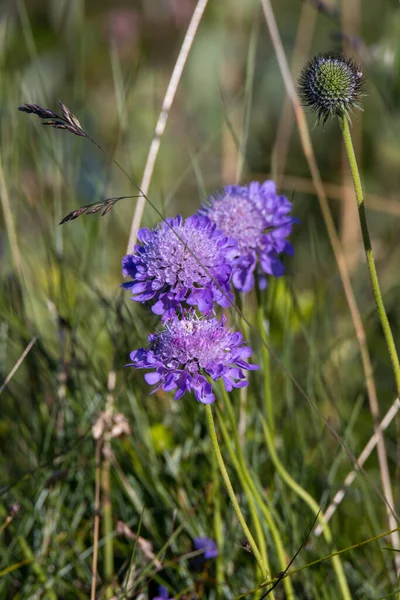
(110, 63)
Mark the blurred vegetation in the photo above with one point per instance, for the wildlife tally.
(110, 63)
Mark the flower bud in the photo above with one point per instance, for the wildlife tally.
(331, 85)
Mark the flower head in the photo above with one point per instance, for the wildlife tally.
(257, 218)
(181, 262)
(331, 85)
(188, 350)
(209, 548)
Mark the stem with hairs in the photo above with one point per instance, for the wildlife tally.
(368, 252)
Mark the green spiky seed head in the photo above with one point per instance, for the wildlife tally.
(331, 85)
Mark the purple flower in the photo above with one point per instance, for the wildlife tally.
(194, 268)
(190, 348)
(209, 546)
(210, 549)
(258, 219)
(163, 594)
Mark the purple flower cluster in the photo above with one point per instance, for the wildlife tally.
(189, 349)
(257, 218)
(181, 262)
(193, 263)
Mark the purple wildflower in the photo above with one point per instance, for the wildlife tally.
(258, 219)
(195, 268)
(209, 548)
(163, 594)
(190, 348)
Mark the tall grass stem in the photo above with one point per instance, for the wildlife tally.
(373, 441)
(36, 566)
(263, 328)
(106, 490)
(218, 527)
(231, 493)
(251, 488)
(96, 527)
(163, 117)
(309, 500)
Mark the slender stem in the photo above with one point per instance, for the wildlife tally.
(373, 441)
(244, 408)
(35, 566)
(163, 117)
(325, 558)
(96, 527)
(218, 533)
(244, 475)
(233, 453)
(319, 188)
(266, 367)
(368, 251)
(308, 499)
(106, 490)
(107, 528)
(231, 493)
(382, 457)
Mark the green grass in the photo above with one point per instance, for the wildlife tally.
(61, 285)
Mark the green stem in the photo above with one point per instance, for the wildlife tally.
(218, 533)
(231, 493)
(368, 251)
(36, 567)
(106, 492)
(238, 463)
(266, 368)
(308, 499)
(252, 491)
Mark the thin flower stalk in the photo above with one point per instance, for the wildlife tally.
(231, 493)
(309, 500)
(217, 526)
(387, 330)
(163, 116)
(243, 476)
(266, 361)
(331, 85)
(237, 459)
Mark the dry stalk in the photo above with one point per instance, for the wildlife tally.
(163, 117)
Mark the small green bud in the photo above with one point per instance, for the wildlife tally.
(331, 85)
